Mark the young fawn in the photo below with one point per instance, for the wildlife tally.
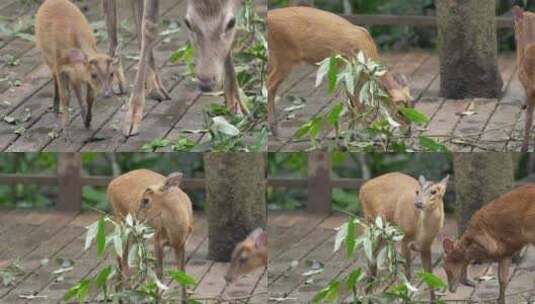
(299, 35)
(495, 233)
(211, 26)
(159, 200)
(68, 47)
(415, 206)
(525, 59)
(248, 255)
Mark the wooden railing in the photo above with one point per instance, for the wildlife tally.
(70, 181)
(406, 20)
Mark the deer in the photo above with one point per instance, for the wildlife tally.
(416, 206)
(524, 23)
(494, 233)
(158, 200)
(211, 26)
(67, 45)
(298, 35)
(248, 255)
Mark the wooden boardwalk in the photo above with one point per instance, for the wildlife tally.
(496, 124)
(28, 124)
(300, 237)
(30, 237)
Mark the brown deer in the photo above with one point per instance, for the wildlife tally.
(211, 26)
(415, 206)
(248, 255)
(160, 201)
(69, 49)
(525, 59)
(494, 233)
(298, 35)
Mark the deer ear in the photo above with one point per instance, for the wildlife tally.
(448, 245)
(444, 181)
(75, 55)
(261, 240)
(173, 180)
(518, 13)
(422, 180)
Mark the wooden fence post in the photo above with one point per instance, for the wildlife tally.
(69, 182)
(319, 182)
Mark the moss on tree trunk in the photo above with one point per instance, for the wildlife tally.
(480, 178)
(235, 197)
(467, 41)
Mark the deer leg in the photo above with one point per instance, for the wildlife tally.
(428, 267)
(110, 12)
(464, 277)
(503, 277)
(56, 95)
(181, 265)
(158, 254)
(78, 93)
(64, 100)
(231, 89)
(90, 98)
(277, 72)
(157, 88)
(406, 254)
(528, 124)
(136, 103)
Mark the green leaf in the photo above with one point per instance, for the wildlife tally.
(102, 277)
(414, 115)
(350, 238)
(182, 278)
(101, 236)
(329, 293)
(332, 74)
(354, 277)
(431, 145)
(79, 290)
(335, 113)
(432, 280)
(183, 144)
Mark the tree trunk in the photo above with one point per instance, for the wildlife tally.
(235, 197)
(480, 178)
(468, 49)
(69, 182)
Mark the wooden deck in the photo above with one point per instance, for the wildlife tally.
(30, 237)
(26, 92)
(496, 124)
(304, 237)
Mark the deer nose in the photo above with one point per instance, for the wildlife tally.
(106, 92)
(206, 84)
(419, 205)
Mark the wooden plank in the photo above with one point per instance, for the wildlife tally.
(293, 279)
(280, 266)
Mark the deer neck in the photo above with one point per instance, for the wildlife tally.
(429, 224)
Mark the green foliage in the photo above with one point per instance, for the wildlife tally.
(127, 242)
(373, 122)
(376, 242)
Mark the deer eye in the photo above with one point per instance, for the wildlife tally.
(231, 24)
(145, 202)
(417, 192)
(94, 76)
(433, 192)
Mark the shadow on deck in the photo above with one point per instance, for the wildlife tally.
(311, 238)
(493, 124)
(31, 237)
